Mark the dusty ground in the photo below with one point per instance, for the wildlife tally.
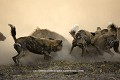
(91, 71)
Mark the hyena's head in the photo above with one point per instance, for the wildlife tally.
(56, 45)
(2, 37)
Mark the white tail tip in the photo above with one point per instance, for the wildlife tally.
(75, 27)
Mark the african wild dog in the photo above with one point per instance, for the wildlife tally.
(35, 45)
(82, 39)
(107, 39)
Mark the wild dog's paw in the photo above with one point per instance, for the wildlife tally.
(47, 57)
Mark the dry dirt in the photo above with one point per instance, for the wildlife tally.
(105, 70)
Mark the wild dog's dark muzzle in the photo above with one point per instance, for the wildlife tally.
(111, 43)
(80, 44)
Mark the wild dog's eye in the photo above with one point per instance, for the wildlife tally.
(78, 37)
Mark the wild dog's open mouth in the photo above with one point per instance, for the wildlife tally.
(80, 44)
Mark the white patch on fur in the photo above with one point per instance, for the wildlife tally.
(110, 23)
(108, 26)
(75, 28)
(18, 44)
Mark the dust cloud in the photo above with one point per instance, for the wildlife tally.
(57, 16)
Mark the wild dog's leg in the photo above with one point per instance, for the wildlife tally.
(22, 54)
(98, 49)
(46, 55)
(71, 49)
(116, 47)
(73, 45)
(18, 48)
(109, 52)
(83, 51)
(15, 59)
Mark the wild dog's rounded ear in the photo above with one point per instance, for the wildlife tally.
(98, 28)
(51, 39)
(60, 42)
(93, 33)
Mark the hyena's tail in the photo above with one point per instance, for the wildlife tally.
(13, 31)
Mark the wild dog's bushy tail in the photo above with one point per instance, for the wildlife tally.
(74, 29)
(13, 31)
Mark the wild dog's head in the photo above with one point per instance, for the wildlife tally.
(56, 45)
(80, 39)
(2, 37)
(97, 33)
(112, 29)
(110, 40)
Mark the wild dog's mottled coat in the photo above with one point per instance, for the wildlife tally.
(82, 38)
(35, 45)
(107, 39)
